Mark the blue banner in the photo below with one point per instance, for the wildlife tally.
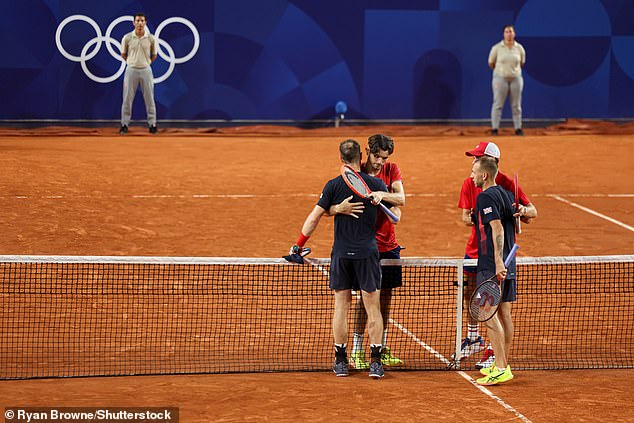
(281, 59)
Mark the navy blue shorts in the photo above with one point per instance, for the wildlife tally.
(392, 275)
(358, 274)
(509, 287)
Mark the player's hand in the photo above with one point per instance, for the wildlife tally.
(520, 210)
(500, 271)
(300, 251)
(349, 208)
(376, 197)
(296, 254)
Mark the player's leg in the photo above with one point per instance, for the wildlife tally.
(500, 372)
(341, 280)
(343, 298)
(372, 302)
(360, 318)
(504, 312)
(500, 92)
(147, 86)
(509, 295)
(386, 299)
(368, 273)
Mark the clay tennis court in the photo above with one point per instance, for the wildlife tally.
(239, 192)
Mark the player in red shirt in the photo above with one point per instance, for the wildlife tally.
(474, 343)
(379, 149)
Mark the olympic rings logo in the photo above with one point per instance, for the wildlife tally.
(86, 55)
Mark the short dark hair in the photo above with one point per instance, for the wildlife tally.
(350, 151)
(489, 165)
(508, 26)
(381, 142)
(140, 15)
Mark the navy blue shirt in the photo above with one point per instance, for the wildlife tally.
(354, 238)
(495, 203)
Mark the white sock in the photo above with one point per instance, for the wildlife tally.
(357, 343)
(473, 332)
(384, 338)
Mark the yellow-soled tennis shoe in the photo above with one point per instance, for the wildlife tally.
(487, 370)
(496, 377)
(357, 359)
(390, 360)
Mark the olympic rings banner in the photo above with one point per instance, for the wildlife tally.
(295, 59)
(110, 42)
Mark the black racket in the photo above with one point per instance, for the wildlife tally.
(486, 298)
(356, 183)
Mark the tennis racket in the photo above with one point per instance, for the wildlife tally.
(356, 183)
(518, 221)
(486, 298)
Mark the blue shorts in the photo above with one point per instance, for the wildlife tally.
(509, 287)
(392, 275)
(358, 274)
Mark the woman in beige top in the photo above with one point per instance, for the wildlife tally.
(506, 59)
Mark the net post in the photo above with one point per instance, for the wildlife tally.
(459, 302)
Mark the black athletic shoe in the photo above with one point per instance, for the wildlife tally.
(519, 132)
(123, 130)
(494, 132)
(153, 129)
(376, 370)
(340, 368)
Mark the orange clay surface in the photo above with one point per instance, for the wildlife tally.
(246, 191)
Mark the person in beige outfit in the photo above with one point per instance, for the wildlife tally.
(507, 59)
(138, 49)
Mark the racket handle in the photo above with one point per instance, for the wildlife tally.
(518, 225)
(511, 255)
(389, 212)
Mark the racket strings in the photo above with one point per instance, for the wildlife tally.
(484, 301)
(356, 183)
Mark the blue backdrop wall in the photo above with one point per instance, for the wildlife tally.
(293, 59)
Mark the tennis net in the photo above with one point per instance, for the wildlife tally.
(92, 316)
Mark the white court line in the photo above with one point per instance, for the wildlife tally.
(586, 195)
(495, 397)
(587, 210)
(444, 360)
(432, 351)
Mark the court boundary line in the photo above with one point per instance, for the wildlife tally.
(494, 397)
(593, 212)
(444, 360)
